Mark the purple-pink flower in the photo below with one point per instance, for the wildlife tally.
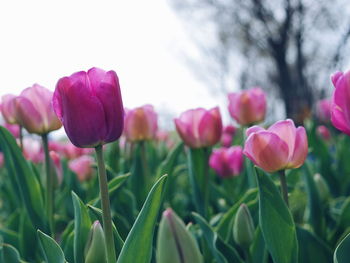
(227, 162)
(8, 109)
(247, 107)
(141, 123)
(323, 132)
(340, 109)
(89, 104)
(227, 135)
(324, 110)
(199, 127)
(82, 167)
(282, 146)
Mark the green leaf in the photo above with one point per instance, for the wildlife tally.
(82, 224)
(225, 225)
(118, 241)
(276, 222)
(27, 182)
(341, 254)
(9, 254)
(221, 251)
(311, 248)
(315, 214)
(140, 239)
(258, 249)
(51, 250)
(113, 185)
(9, 236)
(167, 166)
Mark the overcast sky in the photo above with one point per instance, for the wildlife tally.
(42, 41)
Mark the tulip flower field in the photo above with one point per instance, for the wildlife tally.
(120, 189)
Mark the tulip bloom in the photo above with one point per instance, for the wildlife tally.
(280, 147)
(324, 110)
(247, 107)
(89, 105)
(140, 123)
(57, 166)
(340, 109)
(323, 132)
(199, 127)
(82, 167)
(34, 110)
(13, 128)
(8, 109)
(33, 150)
(227, 135)
(227, 162)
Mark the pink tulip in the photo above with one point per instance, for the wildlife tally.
(227, 135)
(340, 108)
(56, 159)
(140, 123)
(32, 150)
(248, 107)
(227, 162)
(324, 110)
(8, 109)
(72, 152)
(89, 105)
(282, 146)
(34, 110)
(13, 128)
(82, 167)
(199, 127)
(323, 132)
(2, 159)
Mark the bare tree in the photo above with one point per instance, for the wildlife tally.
(288, 46)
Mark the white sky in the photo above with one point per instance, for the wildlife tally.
(42, 41)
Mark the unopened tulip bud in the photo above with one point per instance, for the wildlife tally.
(174, 242)
(322, 187)
(243, 229)
(95, 250)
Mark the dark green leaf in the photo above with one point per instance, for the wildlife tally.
(50, 249)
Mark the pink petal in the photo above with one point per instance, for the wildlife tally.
(335, 77)
(286, 131)
(28, 116)
(210, 127)
(186, 134)
(341, 96)
(300, 149)
(252, 129)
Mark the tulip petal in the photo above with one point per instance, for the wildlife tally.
(28, 116)
(341, 97)
(335, 77)
(8, 108)
(286, 131)
(186, 133)
(252, 129)
(84, 111)
(300, 149)
(267, 151)
(210, 127)
(339, 121)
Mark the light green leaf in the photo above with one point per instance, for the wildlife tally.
(51, 250)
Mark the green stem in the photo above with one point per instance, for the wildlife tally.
(106, 210)
(21, 137)
(144, 161)
(284, 188)
(49, 185)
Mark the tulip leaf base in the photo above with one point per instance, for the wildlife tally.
(276, 222)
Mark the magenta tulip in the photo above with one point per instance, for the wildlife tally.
(199, 127)
(324, 110)
(34, 110)
(140, 123)
(248, 107)
(89, 104)
(323, 132)
(282, 146)
(227, 135)
(340, 109)
(8, 109)
(227, 162)
(82, 167)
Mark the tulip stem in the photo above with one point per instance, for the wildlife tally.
(284, 188)
(49, 185)
(106, 210)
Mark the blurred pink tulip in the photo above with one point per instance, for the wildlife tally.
(324, 110)
(140, 123)
(340, 108)
(34, 110)
(323, 132)
(82, 167)
(248, 107)
(13, 128)
(2, 159)
(227, 135)
(55, 157)
(199, 127)
(71, 152)
(8, 109)
(90, 106)
(32, 150)
(282, 146)
(227, 162)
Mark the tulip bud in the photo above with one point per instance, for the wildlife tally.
(322, 187)
(95, 249)
(243, 228)
(90, 107)
(247, 107)
(199, 127)
(174, 243)
(227, 162)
